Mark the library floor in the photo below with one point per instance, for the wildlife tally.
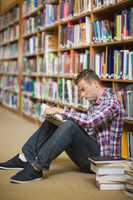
(65, 181)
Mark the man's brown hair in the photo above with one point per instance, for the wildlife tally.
(87, 75)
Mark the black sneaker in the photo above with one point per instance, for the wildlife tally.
(26, 175)
(13, 163)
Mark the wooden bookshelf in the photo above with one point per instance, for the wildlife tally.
(37, 59)
(9, 45)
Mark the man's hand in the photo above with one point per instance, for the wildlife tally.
(53, 110)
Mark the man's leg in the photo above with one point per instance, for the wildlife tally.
(32, 147)
(66, 137)
(83, 146)
(74, 140)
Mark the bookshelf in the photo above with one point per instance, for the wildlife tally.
(53, 41)
(9, 65)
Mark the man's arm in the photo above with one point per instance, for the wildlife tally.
(101, 116)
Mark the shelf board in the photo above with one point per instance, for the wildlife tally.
(83, 46)
(30, 55)
(8, 74)
(116, 80)
(34, 74)
(72, 106)
(74, 18)
(39, 99)
(13, 40)
(42, 52)
(8, 42)
(7, 59)
(121, 42)
(9, 90)
(10, 24)
(112, 8)
(4, 43)
(30, 34)
(49, 27)
(68, 76)
(129, 121)
(51, 51)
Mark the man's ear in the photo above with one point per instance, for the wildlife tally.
(95, 83)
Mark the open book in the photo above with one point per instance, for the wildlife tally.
(56, 119)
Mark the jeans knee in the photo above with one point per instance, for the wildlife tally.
(70, 126)
(69, 123)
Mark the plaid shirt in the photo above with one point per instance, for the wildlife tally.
(103, 120)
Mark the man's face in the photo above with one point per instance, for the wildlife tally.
(87, 90)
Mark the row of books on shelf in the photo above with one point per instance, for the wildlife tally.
(64, 91)
(35, 109)
(104, 3)
(104, 30)
(118, 28)
(40, 90)
(9, 17)
(9, 51)
(10, 67)
(31, 108)
(51, 14)
(9, 99)
(73, 7)
(47, 42)
(33, 24)
(68, 8)
(119, 64)
(75, 34)
(127, 98)
(9, 83)
(74, 62)
(45, 17)
(31, 6)
(43, 65)
(68, 63)
(9, 34)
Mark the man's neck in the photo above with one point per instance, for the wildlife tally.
(100, 92)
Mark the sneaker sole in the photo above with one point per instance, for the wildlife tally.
(15, 181)
(10, 168)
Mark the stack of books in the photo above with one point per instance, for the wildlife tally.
(110, 174)
(129, 180)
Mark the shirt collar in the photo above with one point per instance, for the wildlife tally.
(103, 95)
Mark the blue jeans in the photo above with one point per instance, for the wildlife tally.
(49, 141)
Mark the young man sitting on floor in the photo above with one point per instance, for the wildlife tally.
(96, 132)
